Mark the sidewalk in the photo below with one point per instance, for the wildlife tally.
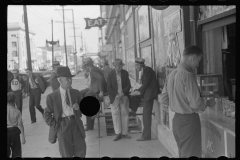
(37, 144)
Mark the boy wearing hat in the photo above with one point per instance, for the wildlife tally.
(53, 79)
(17, 84)
(97, 86)
(149, 91)
(63, 115)
(118, 88)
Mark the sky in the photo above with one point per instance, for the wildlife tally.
(39, 21)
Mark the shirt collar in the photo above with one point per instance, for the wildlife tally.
(119, 73)
(63, 91)
(185, 66)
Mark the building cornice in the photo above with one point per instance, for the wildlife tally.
(19, 28)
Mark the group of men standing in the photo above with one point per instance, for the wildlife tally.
(63, 114)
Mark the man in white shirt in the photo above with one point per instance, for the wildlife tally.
(63, 115)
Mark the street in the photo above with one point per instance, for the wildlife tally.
(37, 144)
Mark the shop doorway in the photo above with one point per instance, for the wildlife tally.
(229, 60)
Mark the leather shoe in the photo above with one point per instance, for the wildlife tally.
(119, 136)
(126, 136)
(143, 139)
(33, 121)
(86, 129)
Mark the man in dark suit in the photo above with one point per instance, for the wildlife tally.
(36, 85)
(63, 115)
(53, 79)
(149, 91)
(97, 86)
(118, 88)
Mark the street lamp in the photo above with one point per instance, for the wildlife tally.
(52, 43)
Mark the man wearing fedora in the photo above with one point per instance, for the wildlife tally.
(118, 88)
(36, 85)
(53, 79)
(97, 86)
(63, 115)
(149, 91)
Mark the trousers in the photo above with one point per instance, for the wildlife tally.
(13, 142)
(187, 133)
(89, 120)
(147, 118)
(19, 98)
(34, 100)
(70, 139)
(120, 115)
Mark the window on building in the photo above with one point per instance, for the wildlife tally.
(14, 53)
(14, 44)
(13, 35)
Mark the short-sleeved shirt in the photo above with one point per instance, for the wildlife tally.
(14, 117)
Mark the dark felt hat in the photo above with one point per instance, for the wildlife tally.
(55, 64)
(64, 72)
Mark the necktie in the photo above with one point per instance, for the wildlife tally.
(67, 99)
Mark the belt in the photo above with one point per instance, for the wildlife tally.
(12, 127)
(17, 90)
(70, 117)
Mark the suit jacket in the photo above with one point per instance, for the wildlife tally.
(98, 82)
(54, 82)
(149, 88)
(42, 83)
(53, 112)
(106, 71)
(112, 85)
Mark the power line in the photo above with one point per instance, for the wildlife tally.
(47, 19)
(38, 16)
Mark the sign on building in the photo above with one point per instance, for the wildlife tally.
(107, 48)
(159, 7)
(99, 22)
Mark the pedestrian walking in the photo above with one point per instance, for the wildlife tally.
(36, 86)
(118, 89)
(149, 91)
(53, 78)
(182, 95)
(97, 86)
(106, 70)
(63, 115)
(9, 78)
(17, 86)
(14, 128)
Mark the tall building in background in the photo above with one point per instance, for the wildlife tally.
(17, 50)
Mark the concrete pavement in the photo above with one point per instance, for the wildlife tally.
(37, 144)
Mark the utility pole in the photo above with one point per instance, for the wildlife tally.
(65, 37)
(52, 43)
(82, 48)
(75, 52)
(27, 37)
(18, 52)
(65, 46)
